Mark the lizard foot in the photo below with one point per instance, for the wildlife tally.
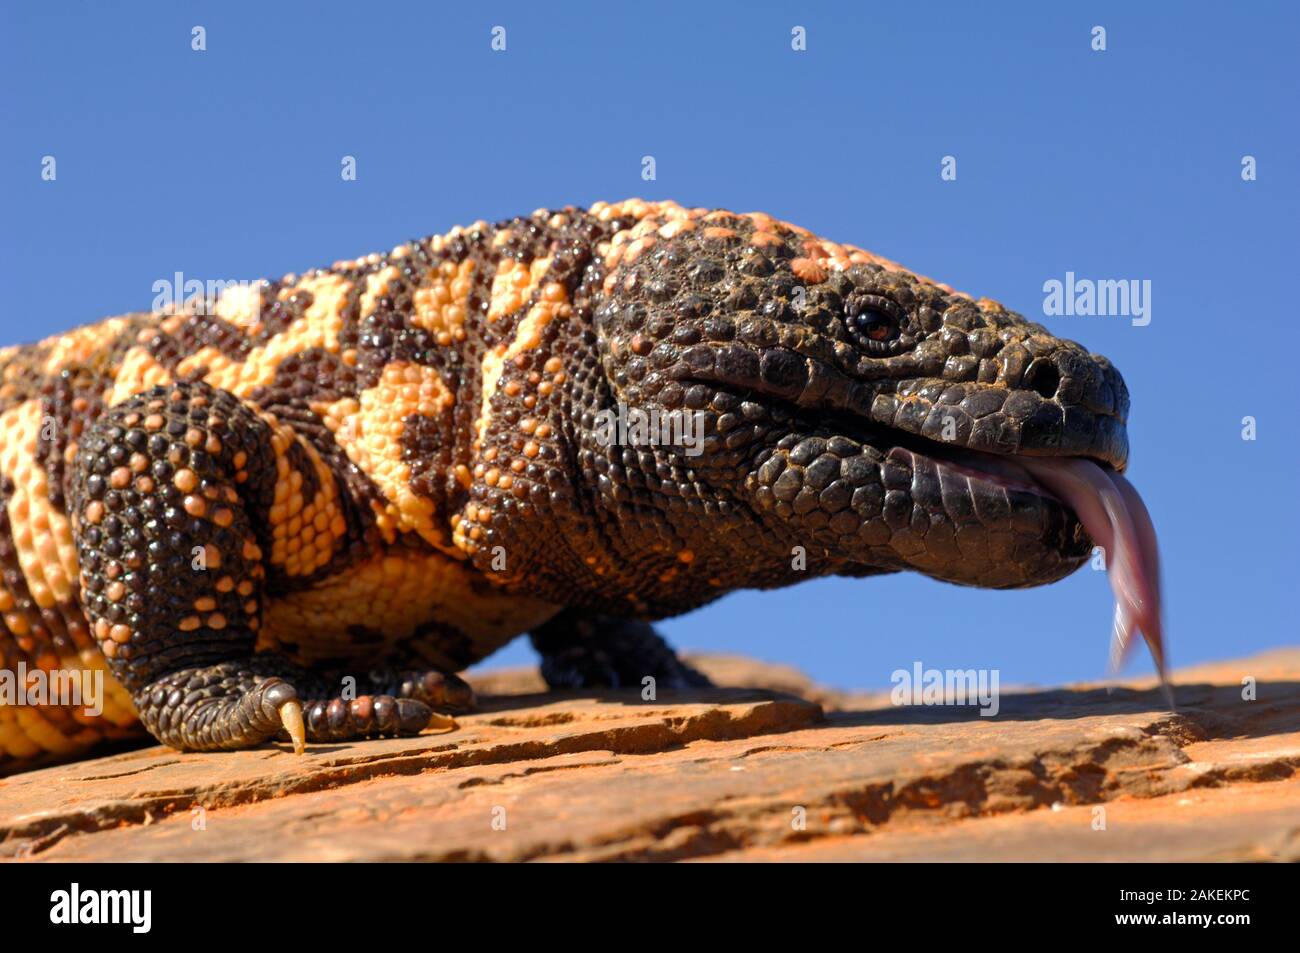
(243, 704)
(594, 651)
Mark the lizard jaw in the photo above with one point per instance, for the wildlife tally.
(1111, 511)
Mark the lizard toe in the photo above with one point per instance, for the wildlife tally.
(339, 719)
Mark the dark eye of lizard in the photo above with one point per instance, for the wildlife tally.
(876, 325)
(874, 318)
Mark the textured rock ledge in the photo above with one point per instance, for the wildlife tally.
(773, 768)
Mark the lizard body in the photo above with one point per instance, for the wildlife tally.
(388, 468)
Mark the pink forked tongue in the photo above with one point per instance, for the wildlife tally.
(1117, 520)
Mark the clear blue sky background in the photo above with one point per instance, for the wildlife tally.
(1122, 164)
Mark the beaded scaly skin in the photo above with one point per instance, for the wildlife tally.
(299, 514)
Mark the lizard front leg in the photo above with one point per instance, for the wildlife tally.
(174, 499)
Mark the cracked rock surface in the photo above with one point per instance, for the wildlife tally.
(772, 768)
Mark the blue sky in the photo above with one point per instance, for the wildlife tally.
(1117, 164)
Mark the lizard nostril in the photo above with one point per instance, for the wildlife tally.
(1043, 378)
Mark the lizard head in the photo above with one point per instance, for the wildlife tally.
(878, 419)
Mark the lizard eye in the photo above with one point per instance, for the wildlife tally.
(876, 325)
(874, 320)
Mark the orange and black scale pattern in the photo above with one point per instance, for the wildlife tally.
(378, 473)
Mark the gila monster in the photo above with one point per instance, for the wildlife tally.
(296, 511)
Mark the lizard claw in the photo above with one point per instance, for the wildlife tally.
(291, 717)
(440, 724)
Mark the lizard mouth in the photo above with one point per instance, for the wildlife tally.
(1095, 494)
